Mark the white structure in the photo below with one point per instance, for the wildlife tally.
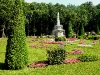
(58, 29)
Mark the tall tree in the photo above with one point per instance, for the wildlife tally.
(5, 8)
(91, 15)
(16, 52)
(27, 13)
(70, 20)
(81, 21)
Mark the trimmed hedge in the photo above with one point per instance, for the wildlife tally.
(88, 57)
(16, 56)
(56, 56)
(60, 39)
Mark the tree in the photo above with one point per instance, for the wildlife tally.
(5, 8)
(98, 19)
(27, 13)
(16, 52)
(91, 15)
(81, 20)
(70, 20)
(81, 30)
(69, 31)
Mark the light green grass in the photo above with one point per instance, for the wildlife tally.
(83, 68)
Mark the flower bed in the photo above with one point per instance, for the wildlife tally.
(52, 42)
(38, 64)
(71, 39)
(40, 46)
(81, 41)
(71, 61)
(76, 51)
(34, 40)
(45, 63)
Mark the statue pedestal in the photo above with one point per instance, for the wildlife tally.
(58, 30)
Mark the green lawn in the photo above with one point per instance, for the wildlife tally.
(39, 54)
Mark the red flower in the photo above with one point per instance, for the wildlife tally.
(76, 51)
(71, 61)
(37, 64)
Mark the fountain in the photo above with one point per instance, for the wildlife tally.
(58, 30)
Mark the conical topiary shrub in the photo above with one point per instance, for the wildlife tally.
(16, 52)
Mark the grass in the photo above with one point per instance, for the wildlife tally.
(38, 54)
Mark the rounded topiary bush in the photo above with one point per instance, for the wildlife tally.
(88, 57)
(60, 39)
(56, 56)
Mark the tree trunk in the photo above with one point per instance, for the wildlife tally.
(3, 33)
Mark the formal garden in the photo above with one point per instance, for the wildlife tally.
(79, 60)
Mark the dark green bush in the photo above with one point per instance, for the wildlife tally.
(16, 56)
(88, 57)
(60, 39)
(56, 56)
(96, 37)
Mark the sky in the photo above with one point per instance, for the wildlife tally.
(65, 2)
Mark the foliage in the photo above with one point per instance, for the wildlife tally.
(69, 31)
(88, 57)
(93, 37)
(96, 37)
(81, 30)
(16, 51)
(82, 37)
(60, 39)
(56, 56)
(90, 37)
(5, 15)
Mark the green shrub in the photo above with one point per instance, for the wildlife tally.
(60, 39)
(93, 37)
(96, 37)
(90, 37)
(16, 56)
(56, 56)
(80, 37)
(88, 57)
(74, 36)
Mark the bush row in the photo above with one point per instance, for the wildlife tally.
(57, 56)
(88, 57)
